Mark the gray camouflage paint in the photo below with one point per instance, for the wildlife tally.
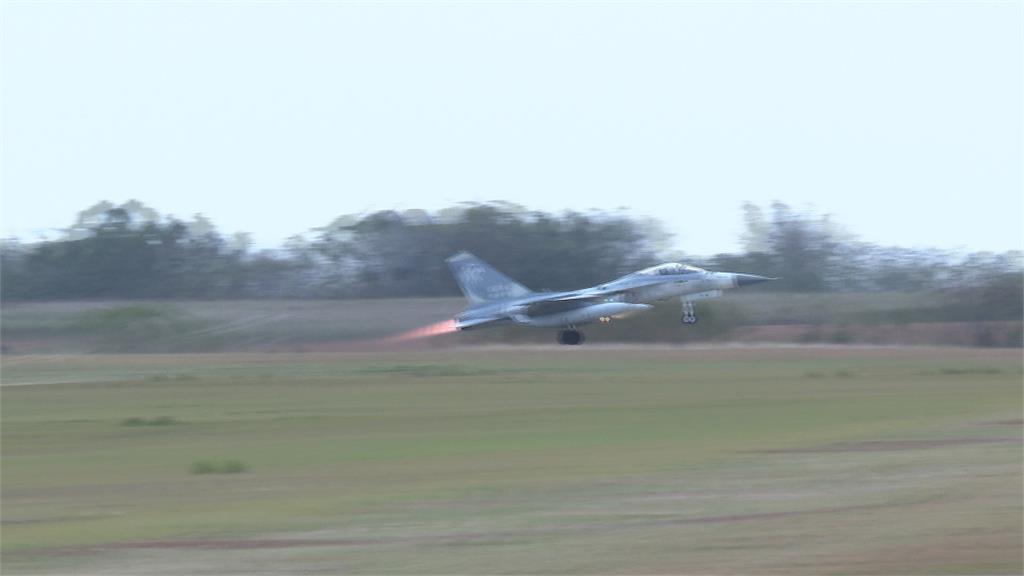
(497, 299)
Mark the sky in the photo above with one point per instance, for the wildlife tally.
(903, 120)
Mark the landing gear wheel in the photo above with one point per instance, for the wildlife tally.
(570, 337)
(689, 314)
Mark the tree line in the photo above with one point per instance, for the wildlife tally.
(131, 252)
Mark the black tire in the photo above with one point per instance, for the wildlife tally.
(570, 337)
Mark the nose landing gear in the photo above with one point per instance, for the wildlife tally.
(689, 314)
(570, 337)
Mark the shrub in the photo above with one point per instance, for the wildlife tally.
(233, 467)
(204, 467)
(158, 421)
(213, 467)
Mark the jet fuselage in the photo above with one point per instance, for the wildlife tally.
(496, 299)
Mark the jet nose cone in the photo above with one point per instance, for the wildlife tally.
(748, 279)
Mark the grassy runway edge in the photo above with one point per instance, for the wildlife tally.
(603, 460)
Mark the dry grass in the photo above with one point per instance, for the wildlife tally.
(618, 459)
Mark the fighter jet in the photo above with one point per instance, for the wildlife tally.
(496, 299)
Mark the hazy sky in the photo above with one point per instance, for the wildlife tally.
(904, 120)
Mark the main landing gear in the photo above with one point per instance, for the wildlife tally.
(689, 314)
(570, 337)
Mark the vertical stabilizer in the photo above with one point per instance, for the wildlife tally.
(481, 283)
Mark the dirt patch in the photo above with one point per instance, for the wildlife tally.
(1016, 423)
(276, 543)
(982, 334)
(992, 553)
(464, 538)
(225, 544)
(887, 445)
(786, 513)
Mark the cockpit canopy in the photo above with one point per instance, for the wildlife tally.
(668, 269)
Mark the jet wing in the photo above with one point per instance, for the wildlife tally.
(556, 305)
(544, 303)
(562, 301)
(603, 291)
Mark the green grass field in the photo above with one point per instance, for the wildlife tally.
(515, 460)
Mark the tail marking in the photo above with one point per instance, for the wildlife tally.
(480, 282)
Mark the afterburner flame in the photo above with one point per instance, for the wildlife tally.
(436, 329)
